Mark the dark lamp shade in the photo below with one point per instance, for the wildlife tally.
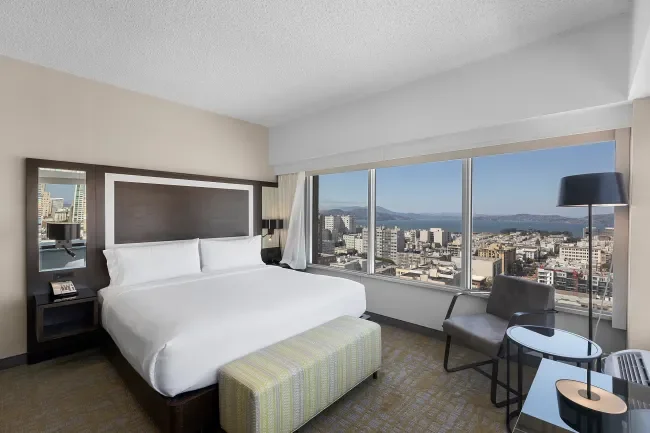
(271, 225)
(63, 231)
(596, 189)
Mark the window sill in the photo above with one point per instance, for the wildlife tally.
(447, 289)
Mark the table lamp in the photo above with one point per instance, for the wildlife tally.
(589, 190)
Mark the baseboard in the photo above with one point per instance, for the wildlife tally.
(13, 361)
(529, 359)
(429, 332)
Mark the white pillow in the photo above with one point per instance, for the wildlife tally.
(221, 254)
(136, 264)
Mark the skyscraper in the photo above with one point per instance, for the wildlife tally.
(79, 206)
(45, 205)
(350, 223)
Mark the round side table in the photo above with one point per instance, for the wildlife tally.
(555, 344)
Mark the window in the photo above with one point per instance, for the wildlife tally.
(419, 222)
(519, 230)
(342, 219)
(510, 200)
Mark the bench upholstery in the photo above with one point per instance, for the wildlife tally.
(281, 387)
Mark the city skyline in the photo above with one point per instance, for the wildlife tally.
(531, 177)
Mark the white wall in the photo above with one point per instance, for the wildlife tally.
(52, 115)
(581, 70)
(638, 293)
(427, 307)
(640, 50)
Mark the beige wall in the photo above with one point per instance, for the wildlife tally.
(638, 321)
(52, 115)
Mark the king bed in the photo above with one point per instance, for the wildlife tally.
(177, 332)
(176, 308)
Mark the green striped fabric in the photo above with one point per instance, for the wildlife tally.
(281, 387)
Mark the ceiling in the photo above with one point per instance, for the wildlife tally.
(268, 61)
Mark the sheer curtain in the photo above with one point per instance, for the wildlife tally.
(292, 194)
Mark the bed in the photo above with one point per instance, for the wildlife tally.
(177, 332)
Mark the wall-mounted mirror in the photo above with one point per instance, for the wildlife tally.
(61, 219)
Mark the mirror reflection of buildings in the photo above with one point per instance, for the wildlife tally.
(61, 199)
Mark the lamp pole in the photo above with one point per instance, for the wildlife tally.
(589, 289)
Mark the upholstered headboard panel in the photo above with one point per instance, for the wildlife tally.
(152, 209)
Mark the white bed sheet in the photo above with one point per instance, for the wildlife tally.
(177, 333)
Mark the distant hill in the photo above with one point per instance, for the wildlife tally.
(383, 214)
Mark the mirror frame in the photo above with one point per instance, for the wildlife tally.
(37, 281)
(45, 181)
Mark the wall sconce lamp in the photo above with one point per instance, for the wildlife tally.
(271, 225)
(63, 234)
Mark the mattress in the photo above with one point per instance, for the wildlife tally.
(177, 333)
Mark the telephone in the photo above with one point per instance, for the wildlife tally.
(63, 289)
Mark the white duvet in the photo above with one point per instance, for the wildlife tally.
(177, 333)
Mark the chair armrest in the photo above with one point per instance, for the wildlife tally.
(456, 296)
(515, 317)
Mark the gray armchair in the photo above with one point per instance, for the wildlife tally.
(512, 301)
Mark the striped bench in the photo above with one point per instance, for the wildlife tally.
(281, 387)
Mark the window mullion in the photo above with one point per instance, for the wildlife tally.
(372, 198)
(466, 248)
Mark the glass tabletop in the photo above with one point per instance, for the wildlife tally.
(559, 344)
(544, 413)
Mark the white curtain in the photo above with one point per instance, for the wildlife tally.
(295, 252)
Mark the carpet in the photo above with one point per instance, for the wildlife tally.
(83, 393)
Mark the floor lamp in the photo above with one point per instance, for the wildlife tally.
(589, 190)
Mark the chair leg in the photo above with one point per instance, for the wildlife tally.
(494, 377)
(493, 391)
(445, 363)
(493, 384)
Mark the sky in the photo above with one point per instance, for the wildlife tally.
(66, 192)
(524, 182)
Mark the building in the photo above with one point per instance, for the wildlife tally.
(45, 205)
(440, 236)
(334, 224)
(354, 242)
(79, 207)
(487, 267)
(349, 241)
(61, 215)
(425, 236)
(388, 242)
(349, 222)
(546, 276)
(56, 205)
(508, 255)
(528, 253)
(358, 244)
(454, 250)
(327, 247)
(410, 259)
(326, 259)
(575, 253)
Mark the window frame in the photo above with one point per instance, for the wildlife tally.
(620, 255)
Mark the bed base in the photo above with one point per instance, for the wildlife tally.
(190, 412)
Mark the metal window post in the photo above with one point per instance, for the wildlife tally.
(372, 196)
(466, 248)
(309, 226)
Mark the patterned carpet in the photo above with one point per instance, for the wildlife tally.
(82, 393)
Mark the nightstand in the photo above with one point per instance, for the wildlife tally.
(64, 326)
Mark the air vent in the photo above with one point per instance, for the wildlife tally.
(632, 368)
